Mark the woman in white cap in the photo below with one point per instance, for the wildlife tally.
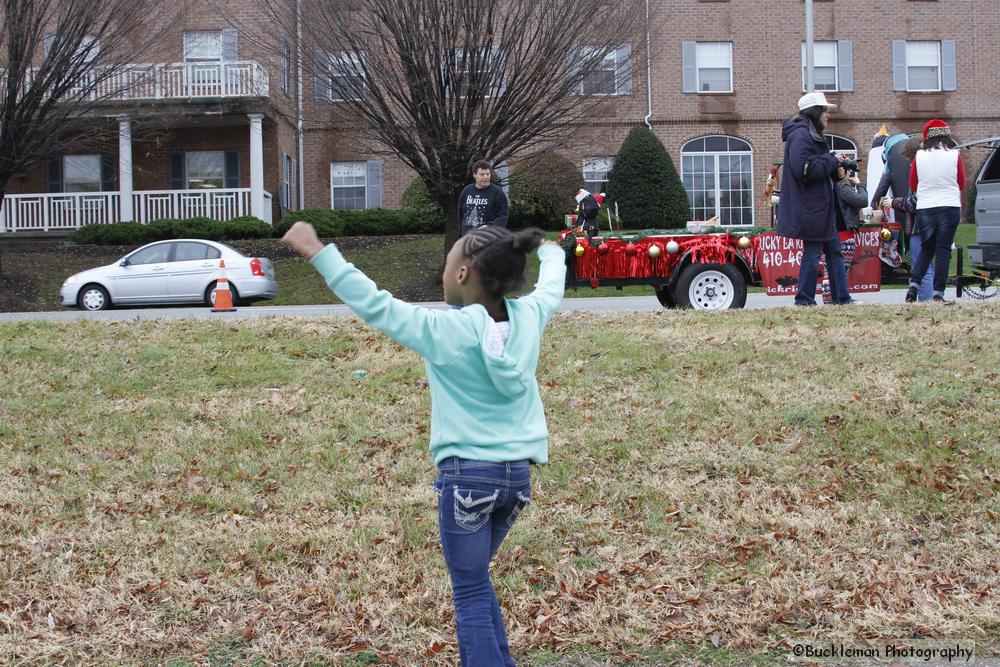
(809, 208)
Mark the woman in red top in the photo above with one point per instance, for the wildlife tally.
(937, 177)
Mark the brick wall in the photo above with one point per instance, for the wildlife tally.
(766, 71)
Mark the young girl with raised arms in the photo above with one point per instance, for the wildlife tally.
(487, 421)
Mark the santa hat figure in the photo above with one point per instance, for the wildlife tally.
(936, 128)
(581, 195)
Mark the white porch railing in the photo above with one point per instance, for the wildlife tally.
(64, 210)
(72, 210)
(165, 81)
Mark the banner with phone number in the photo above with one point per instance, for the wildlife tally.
(779, 259)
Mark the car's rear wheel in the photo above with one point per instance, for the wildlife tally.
(210, 294)
(93, 297)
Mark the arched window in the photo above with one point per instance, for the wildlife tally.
(717, 172)
(841, 146)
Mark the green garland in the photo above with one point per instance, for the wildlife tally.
(569, 243)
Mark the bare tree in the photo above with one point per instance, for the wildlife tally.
(61, 62)
(442, 83)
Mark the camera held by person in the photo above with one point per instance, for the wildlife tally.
(850, 165)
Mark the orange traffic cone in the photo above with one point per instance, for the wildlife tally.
(223, 295)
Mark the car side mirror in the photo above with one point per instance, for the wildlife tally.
(124, 262)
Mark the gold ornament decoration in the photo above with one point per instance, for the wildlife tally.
(744, 242)
(886, 234)
(654, 251)
(580, 250)
(673, 247)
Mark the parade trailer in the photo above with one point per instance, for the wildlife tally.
(710, 268)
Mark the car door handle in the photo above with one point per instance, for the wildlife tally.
(157, 268)
(980, 210)
(208, 265)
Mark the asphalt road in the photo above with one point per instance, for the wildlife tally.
(593, 304)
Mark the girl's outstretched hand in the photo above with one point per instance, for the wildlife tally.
(301, 238)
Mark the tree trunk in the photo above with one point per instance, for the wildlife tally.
(449, 204)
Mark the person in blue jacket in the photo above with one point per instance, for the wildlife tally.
(809, 209)
(487, 420)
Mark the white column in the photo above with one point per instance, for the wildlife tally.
(256, 165)
(125, 167)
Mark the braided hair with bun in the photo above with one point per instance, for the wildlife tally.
(499, 256)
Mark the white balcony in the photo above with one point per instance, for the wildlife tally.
(72, 210)
(181, 81)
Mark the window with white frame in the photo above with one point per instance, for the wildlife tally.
(824, 66)
(205, 170)
(484, 66)
(203, 46)
(842, 146)
(89, 48)
(347, 80)
(609, 75)
(82, 173)
(595, 173)
(348, 181)
(717, 173)
(715, 67)
(923, 66)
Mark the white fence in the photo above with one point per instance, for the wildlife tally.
(72, 210)
(163, 81)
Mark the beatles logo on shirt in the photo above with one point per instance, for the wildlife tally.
(475, 210)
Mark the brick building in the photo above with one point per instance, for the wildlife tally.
(230, 126)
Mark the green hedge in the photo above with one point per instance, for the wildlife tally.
(370, 222)
(133, 233)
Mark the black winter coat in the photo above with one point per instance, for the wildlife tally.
(809, 208)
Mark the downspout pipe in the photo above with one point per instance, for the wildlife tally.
(298, 103)
(649, 75)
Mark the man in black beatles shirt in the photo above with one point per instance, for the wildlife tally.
(481, 203)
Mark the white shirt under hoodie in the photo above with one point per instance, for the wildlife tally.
(938, 178)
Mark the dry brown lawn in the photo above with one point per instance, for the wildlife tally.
(721, 486)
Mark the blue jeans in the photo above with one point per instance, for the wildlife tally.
(927, 284)
(805, 295)
(937, 227)
(478, 503)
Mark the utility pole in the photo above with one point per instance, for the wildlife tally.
(810, 85)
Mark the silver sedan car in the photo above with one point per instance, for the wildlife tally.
(175, 271)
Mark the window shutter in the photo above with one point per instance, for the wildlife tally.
(108, 175)
(502, 171)
(690, 66)
(54, 169)
(177, 171)
(573, 56)
(232, 169)
(47, 45)
(285, 176)
(623, 67)
(323, 84)
(229, 38)
(374, 183)
(499, 65)
(845, 65)
(949, 67)
(898, 65)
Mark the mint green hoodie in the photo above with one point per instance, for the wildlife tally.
(483, 408)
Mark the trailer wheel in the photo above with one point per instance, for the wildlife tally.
(711, 287)
(665, 296)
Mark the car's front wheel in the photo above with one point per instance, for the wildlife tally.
(93, 297)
